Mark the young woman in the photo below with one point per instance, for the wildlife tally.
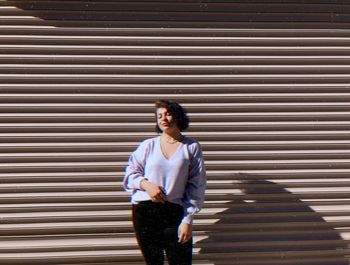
(166, 176)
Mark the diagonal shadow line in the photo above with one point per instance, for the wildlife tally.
(282, 227)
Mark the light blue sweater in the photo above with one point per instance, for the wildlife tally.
(182, 176)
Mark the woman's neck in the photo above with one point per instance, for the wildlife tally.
(172, 136)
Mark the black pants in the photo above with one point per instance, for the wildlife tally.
(156, 227)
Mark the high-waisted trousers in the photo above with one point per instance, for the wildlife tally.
(156, 227)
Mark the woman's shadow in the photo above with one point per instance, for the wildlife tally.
(269, 225)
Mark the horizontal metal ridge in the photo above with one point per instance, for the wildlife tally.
(178, 79)
(81, 216)
(67, 186)
(132, 23)
(120, 194)
(70, 175)
(194, 262)
(130, 243)
(208, 145)
(177, 50)
(125, 215)
(63, 207)
(71, 256)
(275, 174)
(192, 107)
(102, 241)
(129, 257)
(259, 128)
(221, 136)
(190, 6)
(268, 154)
(128, 36)
(223, 14)
(144, 31)
(187, 67)
(174, 58)
(102, 167)
(213, 95)
(236, 141)
(74, 244)
(201, 41)
(208, 155)
(178, 69)
(126, 226)
(150, 98)
(194, 48)
(17, 183)
(184, 61)
(201, 124)
(327, 120)
(143, 116)
(243, 206)
(177, 19)
(60, 197)
(98, 185)
(162, 68)
(211, 195)
(209, 163)
(227, 195)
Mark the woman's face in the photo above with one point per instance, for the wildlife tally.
(165, 119)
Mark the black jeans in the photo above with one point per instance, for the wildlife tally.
(156, 227)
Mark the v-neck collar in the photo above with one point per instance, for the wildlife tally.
(172, 156)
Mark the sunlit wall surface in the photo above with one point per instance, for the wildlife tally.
(266, 85)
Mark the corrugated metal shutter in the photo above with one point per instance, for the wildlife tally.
(266, 84)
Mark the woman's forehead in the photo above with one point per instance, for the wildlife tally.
(162, 110)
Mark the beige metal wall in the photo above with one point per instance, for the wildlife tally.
(266, 84)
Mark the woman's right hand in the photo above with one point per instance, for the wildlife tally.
(153, 190)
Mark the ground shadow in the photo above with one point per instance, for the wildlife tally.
(269, 225)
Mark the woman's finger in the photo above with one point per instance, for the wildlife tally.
(181, 238)
(158, 198)
(187, 238)
(161, 197)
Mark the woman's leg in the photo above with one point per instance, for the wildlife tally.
(177, 253)
(148, 233)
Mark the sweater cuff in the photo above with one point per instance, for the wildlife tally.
(137, 182)
(188, 219)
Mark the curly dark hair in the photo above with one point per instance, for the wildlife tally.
(175, 109)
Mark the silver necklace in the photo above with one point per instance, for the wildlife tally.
(172, 141)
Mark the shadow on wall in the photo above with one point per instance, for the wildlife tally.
(273, 227)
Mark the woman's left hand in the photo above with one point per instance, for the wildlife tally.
(184, 232)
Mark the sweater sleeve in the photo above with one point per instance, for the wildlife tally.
(196, 184)
(134, 172)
